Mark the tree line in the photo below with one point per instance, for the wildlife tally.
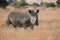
(3, 3)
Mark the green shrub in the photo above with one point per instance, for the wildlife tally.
(22, 3)
(58, 3)
(16, 5)
(35, 4)
(19, 4)
(45, 4)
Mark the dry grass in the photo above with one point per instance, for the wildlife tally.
(48, 29)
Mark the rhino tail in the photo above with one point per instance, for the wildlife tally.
(8, 22)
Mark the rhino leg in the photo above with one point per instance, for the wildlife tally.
(36, 23)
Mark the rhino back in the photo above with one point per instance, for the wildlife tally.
(19, 16)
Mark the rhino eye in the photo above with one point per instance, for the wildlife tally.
(37, 11)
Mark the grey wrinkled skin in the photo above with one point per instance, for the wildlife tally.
(19, 19)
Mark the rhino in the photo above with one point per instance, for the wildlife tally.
(20, 19)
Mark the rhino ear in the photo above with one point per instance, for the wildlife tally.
(29, 11)
(37, 11)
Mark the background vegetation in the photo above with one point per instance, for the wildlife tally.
(45, 4)
(58, 3)
(19, 4)
(3, 3)
(22, 3)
